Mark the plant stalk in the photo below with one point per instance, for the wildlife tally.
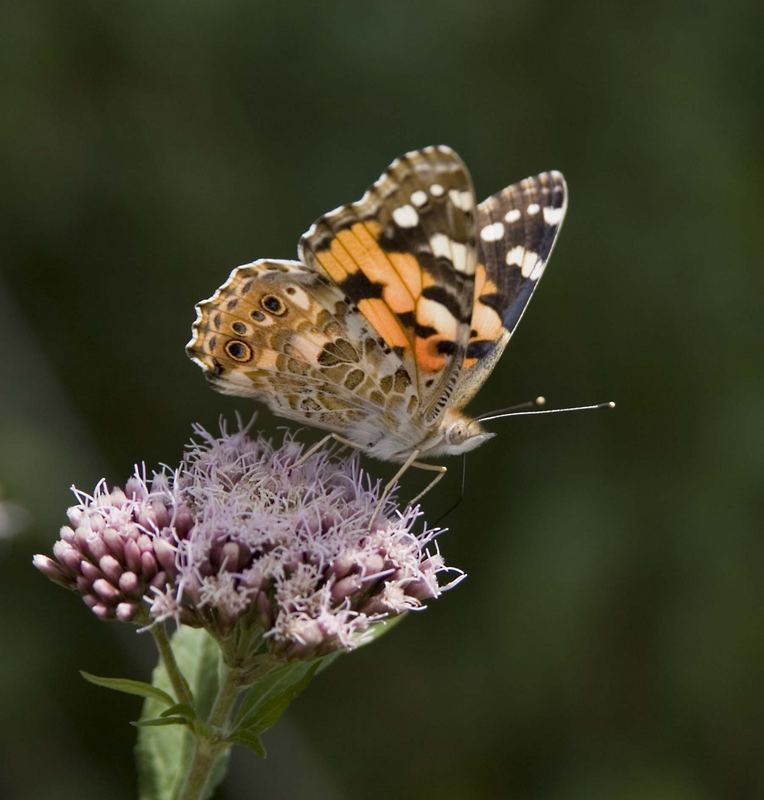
(179, 685)
(209, 749)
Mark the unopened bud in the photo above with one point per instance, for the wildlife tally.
(110, 567)
(129, 585)
(165, 554)
(346, 587)
(105, 590)
(124, 612)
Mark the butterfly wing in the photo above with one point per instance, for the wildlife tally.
(516, 231)
(284, 334)
(405, 256)
(399, 308)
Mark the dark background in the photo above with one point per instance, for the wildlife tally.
(609, 642)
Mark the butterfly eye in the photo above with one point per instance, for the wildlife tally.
(455, 434)
(275, 305)
(238, 351)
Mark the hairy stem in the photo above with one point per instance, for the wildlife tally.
(179, 685)
(210, 748)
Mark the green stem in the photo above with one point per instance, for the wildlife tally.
(179, 685)
(209, 749)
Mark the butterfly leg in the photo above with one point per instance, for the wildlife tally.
(431, 485)
(390, 485)
(321, 442)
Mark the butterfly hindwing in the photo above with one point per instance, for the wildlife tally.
(516, 231)
(405, 256)
(284, 334)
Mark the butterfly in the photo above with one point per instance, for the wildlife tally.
(396, 311)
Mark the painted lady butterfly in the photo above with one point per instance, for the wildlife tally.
(395, 314)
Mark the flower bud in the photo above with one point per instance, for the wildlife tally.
(346, 587)
(104, 555)
(165, 554)
(125, 611)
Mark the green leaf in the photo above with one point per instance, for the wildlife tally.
(140, 688)
(181, 710)
(267, 699)
(249, 740)
(164, 750)
(327, 661)
(158, 722)
(380, 629)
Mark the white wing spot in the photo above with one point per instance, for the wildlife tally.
(492, 233)
(300, 298)
(512, 215)
(456, 252)
(462, 200)
(432, 313)
(406, 216)
(461, 260)
(515, 256)
(553, 216)
(440, 245)
(534, 208)
(532, 265)
(436, 190)
(419, 198)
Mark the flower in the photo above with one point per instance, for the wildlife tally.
(118, 545)
(247, 536)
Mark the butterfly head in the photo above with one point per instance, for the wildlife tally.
(458, 434)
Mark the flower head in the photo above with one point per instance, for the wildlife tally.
(118, 545)
(246, 536)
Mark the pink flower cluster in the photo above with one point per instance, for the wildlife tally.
(119, 545)
(245, 533)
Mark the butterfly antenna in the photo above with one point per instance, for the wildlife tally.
(537, 402)
(519, 413)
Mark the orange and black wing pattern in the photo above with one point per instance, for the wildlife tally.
(404, 255)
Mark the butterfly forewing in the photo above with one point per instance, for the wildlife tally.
(405, 256)
(516, 231)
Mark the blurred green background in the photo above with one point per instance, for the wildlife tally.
(609, 642)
